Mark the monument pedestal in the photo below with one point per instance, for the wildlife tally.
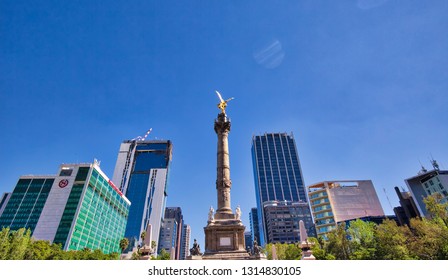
(145, 252)
(194, 258)
(224, 240)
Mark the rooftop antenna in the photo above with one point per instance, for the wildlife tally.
(387, 198)
(434, 163)
(423, 170)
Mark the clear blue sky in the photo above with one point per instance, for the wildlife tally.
(362, 84)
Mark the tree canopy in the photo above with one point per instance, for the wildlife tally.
(18, 245)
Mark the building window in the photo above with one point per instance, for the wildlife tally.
(431, 182)
(66, 172)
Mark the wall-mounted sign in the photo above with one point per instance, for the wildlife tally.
(63, 183)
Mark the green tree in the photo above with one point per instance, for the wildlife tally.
(318, 249)
(362, 240)
(135, 255)
(56, 252)
(391, 241)
(18, 245)
(437, 211)
(124, 243)
(293, 252)
(163, 255)
(338, 244)
(97, 254)
(4, 243)
(279, 251)
(112, 256)
(153, 246)
(20, 240)
(283, 251)
(39, 250)
(428, 240)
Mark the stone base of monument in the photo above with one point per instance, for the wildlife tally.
(145, 252)
(224, 240)
(258, 257)
(307, 254)
(227, 256)
(194, 258)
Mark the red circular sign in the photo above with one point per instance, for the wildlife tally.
(63, 183)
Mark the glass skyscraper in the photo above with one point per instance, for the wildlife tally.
(25, 204)
(254, 227)
(3, 201)
(171, 231)
(78, 208)
(185, 241)
(141, 173)
(84, 209)
(278, 178)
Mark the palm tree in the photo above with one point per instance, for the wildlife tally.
(153, 246)
(124, 243)
(143, 235)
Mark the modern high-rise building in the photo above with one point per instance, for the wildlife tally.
(333, 202)
(248, 241)
(185, 242)
(3, 201)
(168, 236)
(427, 183)
(171, 231)
(278, 178)
(25, 204)
(254, 229)
(141, 173)
(78, 208)
(282, 221)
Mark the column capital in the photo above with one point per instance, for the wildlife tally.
(222, 124)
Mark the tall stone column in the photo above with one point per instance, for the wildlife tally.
(224, 233)
(223, 182)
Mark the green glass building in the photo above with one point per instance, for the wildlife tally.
(25, 205)
(78, 208)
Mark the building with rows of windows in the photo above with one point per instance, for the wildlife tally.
(141, 173)
(428, 183)
(279, 183)
(333, 202)
(78, 208)
(22, 208)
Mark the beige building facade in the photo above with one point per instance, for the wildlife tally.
(333, 202)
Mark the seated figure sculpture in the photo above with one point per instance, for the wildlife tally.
(196, 250)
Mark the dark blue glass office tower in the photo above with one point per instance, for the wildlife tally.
(254, 228)
(279, 182)
(141, 172)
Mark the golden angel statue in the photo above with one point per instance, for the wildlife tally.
(223, 103)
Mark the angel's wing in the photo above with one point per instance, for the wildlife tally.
(219, 95)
